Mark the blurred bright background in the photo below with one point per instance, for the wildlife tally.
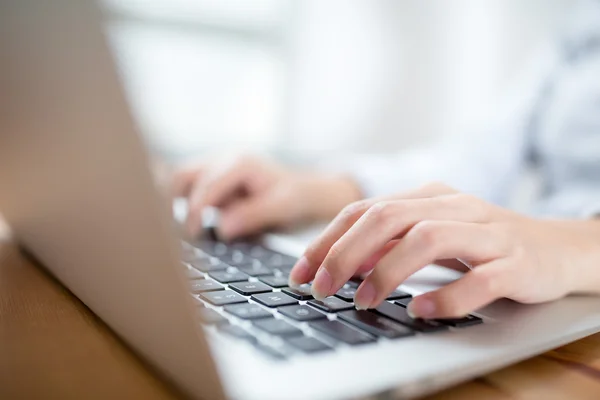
(319, 76)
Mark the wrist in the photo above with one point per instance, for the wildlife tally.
(326, 195)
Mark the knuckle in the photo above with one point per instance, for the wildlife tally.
(488, 281)
(436, 187)
(382, 211)
(352, 210)
(425, 234)
(312, 252)
(335, 257)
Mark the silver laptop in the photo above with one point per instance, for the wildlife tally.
(214, 318)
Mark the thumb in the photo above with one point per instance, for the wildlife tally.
(477, 288)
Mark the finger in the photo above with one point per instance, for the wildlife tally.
(384, 222)
(249, 215)
(183, 180)
(474, 290)
(212, 190)
(307, 266)
(425, 243)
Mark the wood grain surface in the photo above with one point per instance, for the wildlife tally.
(52, 346)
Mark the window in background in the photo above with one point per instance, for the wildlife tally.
(203, 74)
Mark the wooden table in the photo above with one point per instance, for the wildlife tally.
(52, 346)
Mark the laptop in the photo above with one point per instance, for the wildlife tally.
(216, 319)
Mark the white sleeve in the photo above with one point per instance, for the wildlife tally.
(485, 162)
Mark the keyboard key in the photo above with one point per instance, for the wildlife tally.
(375, 324)
(222, 297)
(403, 302)
(301, 313)
(255, 269)
(274, 299)
(277, 281)
(271, 351)
(283, 269)
(211, 317)
(228, 277)
(260, 252)
(193, 274)
(277, 327)
(331, 304)
(210, 247)
(249, 288)
(205, 285)
(346, 294)
(399, 314)
(235, 258)
(341, 332)
(308, 344)
(279, 260)
(248, 311)
(209, 265)
(238, 332)
(398, 294)
(469, 320)
(301, 293)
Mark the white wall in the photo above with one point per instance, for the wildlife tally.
(320, 75)
(380, 75)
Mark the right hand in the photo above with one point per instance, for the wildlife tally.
(254, 194)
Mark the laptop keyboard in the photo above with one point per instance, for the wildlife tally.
(242, 291)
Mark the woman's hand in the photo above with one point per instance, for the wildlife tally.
(254, 194)
(511, 255)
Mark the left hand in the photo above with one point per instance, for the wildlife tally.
(512, 255)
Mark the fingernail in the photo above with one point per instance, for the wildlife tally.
(421, 307)
(364, 296)
(299, 274)
(228, 228)
(322, 284)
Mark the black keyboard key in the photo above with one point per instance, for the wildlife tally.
(301, 313)
(248, 311)
(279, 260)
(209, 265)
(277, 327)
(235, 258)
(308, 344)
(193, 274)
(250, 288)
(213, 248)
(228, 277)
(222, 297)
(211, 317)
(302, 292)
(375, 324)
(469, 320)
(346, 294)
(331, 304)
(238, 332)
(403, 302)
(398, 294)
(341, 332)
(255, 269)
(205, 285)
(274, 299)
(283, 269)
(277, 281)
(399, 314)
